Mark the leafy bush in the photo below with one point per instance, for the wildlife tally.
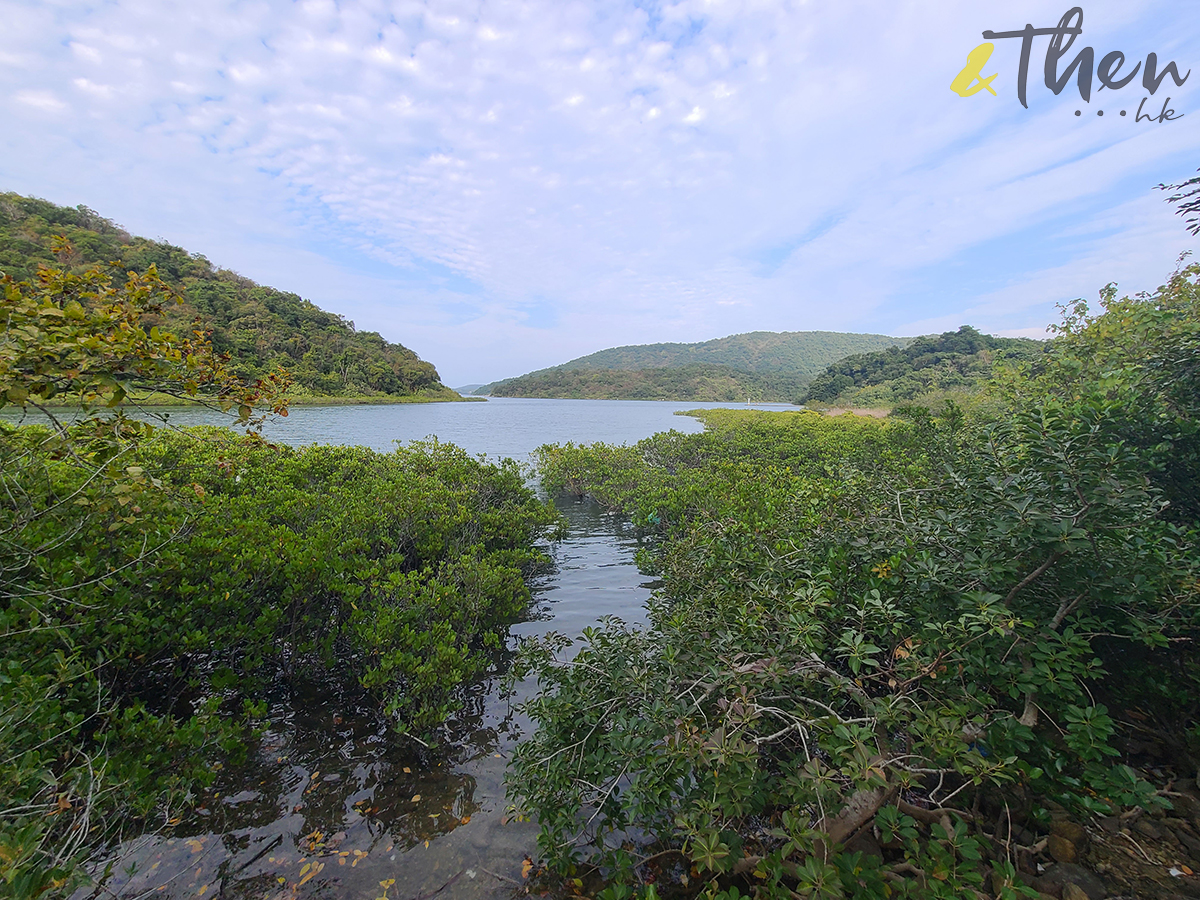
(893, 624)
(155, 585)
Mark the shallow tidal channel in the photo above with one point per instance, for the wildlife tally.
(330, 804)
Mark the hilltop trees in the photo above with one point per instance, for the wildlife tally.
(260, 328)
(953, 361)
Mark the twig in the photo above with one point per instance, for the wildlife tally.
(500, 877)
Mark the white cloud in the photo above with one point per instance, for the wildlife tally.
(667, 173)
(43, 100)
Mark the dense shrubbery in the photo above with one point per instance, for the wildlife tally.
(900, 627)
(135, 647)
(953, 363)
(156, 585)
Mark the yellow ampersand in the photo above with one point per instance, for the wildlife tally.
(964, 82)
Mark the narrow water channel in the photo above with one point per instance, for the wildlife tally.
(331, 805)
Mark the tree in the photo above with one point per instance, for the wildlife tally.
(73, 347)
(1187, 199)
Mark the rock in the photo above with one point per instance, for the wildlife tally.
(1057, 877)
(1063, 850)
(1074, 892)
(1191, 843)
(1111, 824)
(1025, 861)
(1186, 806)
(1146, 828)
(1072, 831)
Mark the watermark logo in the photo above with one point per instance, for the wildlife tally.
(1082, 67)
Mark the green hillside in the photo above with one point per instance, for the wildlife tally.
(698, 382)
(784, 361)
(260, 327)
(954, 363)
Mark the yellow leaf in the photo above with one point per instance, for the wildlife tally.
(316, 867)
(526, 867)
(416, 797)
(203, 889)
(407, 770)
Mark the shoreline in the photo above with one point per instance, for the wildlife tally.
(153, 400)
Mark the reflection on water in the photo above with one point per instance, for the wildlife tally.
(332, 805)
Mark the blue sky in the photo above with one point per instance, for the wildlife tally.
(504, 186)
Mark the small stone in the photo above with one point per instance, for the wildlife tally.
(1074, 892)
(1063, 850)
(1057, 877)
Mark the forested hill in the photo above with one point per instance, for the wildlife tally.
(697, 382)
(787, 359)
(955, 362)
(260, 327)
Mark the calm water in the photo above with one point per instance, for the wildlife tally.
(500, 427)
(328, 791)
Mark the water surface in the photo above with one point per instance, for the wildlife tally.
(500, 427)
(332, 804)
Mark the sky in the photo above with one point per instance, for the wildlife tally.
(503, 186)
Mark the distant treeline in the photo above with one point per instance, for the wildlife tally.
(699, 382)
(952, 362)
(260, 327)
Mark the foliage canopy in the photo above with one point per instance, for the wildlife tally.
(261, 329)
(954, 362)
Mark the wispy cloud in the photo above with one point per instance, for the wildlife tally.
(504, 185)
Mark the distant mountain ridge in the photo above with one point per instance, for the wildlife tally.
(258, 326)
(772, 365)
